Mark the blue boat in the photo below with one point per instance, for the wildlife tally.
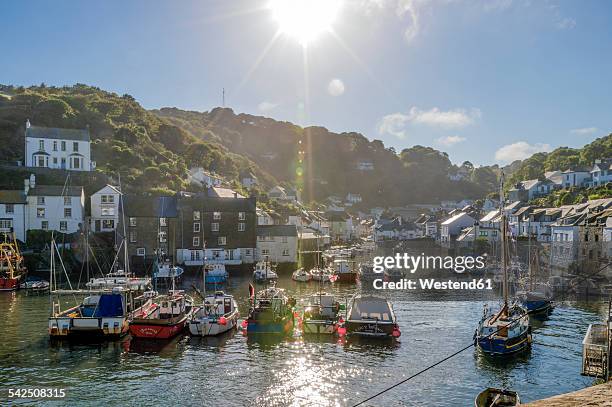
(271, 312)
(536, 297)
(215, 274)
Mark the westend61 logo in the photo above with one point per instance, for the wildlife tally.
(394, 268)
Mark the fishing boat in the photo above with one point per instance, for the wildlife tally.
(164, 270)
(301, 275)
(271, 312)
(36, 284)
(218, 314)
(493, 397)
(371, 316)
(321, 314)
(343, 272)
(263, 272)
(367, 273)
(536, 297)
(164, 318)
(12, 269)
(119, 278)
(507, 331)
(321, 274)
(215, 274)
(98, 316)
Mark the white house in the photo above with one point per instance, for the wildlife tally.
(65, 149)
(576, 177)
(601, 173)
(530, 189)
(396, 229)
(555, 176)
(277, 243)
(105, 209)
(12, 213)
(54, 207)
(247, 179)
(199, 176)
(451, 227)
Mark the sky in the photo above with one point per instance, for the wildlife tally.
(485, 81)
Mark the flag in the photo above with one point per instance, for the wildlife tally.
(251, 290)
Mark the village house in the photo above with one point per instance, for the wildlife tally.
(451, 228)
(54, 207)
(340, 226)
(65, 149)
(13, 213)
(277, 243)
(530, 189)
(105, 209)
(395, 229)
(555, 176)
(247, 179)
(517, 220)
(427, 226)
(537, 223)
(200, 177)
(601, 173)
(576, 177)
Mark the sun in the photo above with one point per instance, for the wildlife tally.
(304, 20)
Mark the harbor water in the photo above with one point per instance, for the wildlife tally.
(236, 370)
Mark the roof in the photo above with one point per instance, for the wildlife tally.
(108, 186)
(57, 133)
(55, 190)
(454, 218)
(512, 206)
(603, 165)
(522, 211)
(202, 201)
(150, 207)
(218, 192)
(12, 197)
(577, 169)
(277, 230)
(491, 216)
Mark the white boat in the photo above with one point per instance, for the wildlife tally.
(215, 273)
(263, 271)
(301, 275)
(321, 274)
(218, 314)
(119, 278)
(371, 316)
(321, 314)
(166, 270)
(34, 284)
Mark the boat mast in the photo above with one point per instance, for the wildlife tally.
(504, 245)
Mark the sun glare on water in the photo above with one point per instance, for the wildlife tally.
(304, 20)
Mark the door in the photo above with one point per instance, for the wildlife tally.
(98, 225)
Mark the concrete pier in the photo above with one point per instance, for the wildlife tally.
(600, 395)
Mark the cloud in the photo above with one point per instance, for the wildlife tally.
(454, 118)
(519, 151)
(566, 23)
(266, 106)
(335, 87)
(449, 141)
(584, 130)
(394, 124)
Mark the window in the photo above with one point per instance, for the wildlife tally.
(63, 146)
(67, 212)
(40, 200)
(163, 236)
(196, 227)
(67, 200)
(241, 216)
(284, 239)
(217, 215)
(54, 160)
(163, 222)
(222, 240)
(63, 225)
(6, 224)
(132, 221)
(40, 212)
(75, 146)
(196, 241)
(108, 211)
(108, 224)
(133, 236)
(9, 208)
(41, 145)
(265, 252)
(248, 252)
(214, 227)
(55, 147)
(285, 252)
(241, 227)
(44, 225)
(141, 251)
(195, 255)
(76, 162)
(107, 198)
(196, 215)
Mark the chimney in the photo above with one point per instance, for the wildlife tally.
(28, 125)
(26, 185)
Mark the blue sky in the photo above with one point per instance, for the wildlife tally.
(485, 81)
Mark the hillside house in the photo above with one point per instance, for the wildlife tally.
(277, 243)
(64, 149)
(105, 209)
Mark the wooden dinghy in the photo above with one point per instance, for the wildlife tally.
(493, 397)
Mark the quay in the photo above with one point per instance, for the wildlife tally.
(600, 395)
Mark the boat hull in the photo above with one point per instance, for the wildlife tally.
(499, 346)
(537, 307)
(215, 279)
(211, 327)
(346, 278)
(9, 284)
(88, 328)
(157, 330)
(369, 329)
(270, 328)
(319, 327)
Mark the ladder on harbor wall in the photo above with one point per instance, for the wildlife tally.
(597, 347)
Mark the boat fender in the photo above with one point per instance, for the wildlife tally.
(396, 332)
(222, 321)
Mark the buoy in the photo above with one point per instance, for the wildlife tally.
(396, 332)
(245, 324)
(341, 331)
(222, 321)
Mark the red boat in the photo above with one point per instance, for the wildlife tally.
(12, 270)
(343, 272)
(164, 318)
